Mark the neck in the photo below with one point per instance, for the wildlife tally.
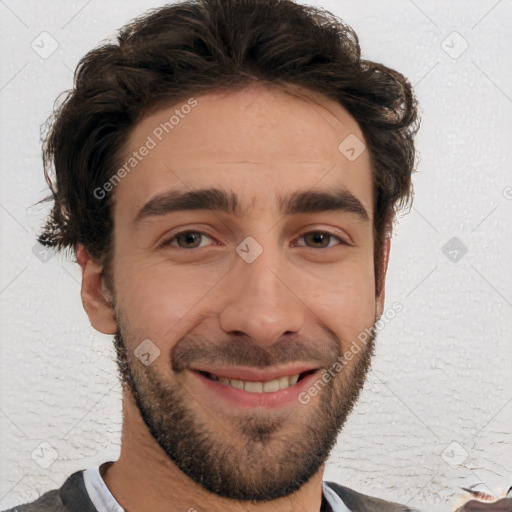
(144, 478)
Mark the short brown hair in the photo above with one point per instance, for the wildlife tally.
(197, 46)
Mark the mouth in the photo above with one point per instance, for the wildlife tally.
(249, 387)
(259, 386)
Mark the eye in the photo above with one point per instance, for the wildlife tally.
(321, 239)
(193, 240)
(186, 240)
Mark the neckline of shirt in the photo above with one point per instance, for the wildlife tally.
(104, 500)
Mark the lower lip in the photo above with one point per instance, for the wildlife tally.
(270, 400)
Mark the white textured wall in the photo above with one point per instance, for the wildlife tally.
(442, 372)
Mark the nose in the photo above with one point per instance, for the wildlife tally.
(261, 301)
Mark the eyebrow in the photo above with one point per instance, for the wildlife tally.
(309, 201)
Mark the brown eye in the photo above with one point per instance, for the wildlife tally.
(189, 240)
(320, 240)
(186, 240)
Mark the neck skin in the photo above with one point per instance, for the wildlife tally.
(144, 478)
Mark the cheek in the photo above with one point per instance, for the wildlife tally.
(161, 299)
(344, 300)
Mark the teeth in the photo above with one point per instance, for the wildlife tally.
(259, 387)
(294, 379)
(283, 382)
(253, 387)
(239, 384)
(271, 385)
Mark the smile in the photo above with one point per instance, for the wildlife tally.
(254, 388)
(258, 386)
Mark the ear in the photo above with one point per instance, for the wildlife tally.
(96, 298)
(381, 284)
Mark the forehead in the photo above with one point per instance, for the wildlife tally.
(263, 142)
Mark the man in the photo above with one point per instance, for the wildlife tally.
(227, 175)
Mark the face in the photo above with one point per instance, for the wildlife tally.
(243, 256)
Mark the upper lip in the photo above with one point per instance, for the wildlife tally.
(254, 374)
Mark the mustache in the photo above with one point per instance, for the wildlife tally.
(242, 351)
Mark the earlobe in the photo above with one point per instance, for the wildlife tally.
(96, 298)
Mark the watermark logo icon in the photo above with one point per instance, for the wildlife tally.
(42, 252)
(454, 454)
(146, 352)
(454, 45)
(44, 455)
(249, 250)
(352, 147)
(454, 249)
(44, 45)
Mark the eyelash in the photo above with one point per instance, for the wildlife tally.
(168, 241)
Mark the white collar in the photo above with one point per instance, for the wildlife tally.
(104, 501)
(334, 500)
(99, 493)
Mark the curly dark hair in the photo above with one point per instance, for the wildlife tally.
(197, 46)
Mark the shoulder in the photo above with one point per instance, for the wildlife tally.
(70, 497)
(50, 501)
(359, 502)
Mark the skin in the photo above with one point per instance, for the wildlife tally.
(300, 297)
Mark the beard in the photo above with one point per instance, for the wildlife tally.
(271, 454)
